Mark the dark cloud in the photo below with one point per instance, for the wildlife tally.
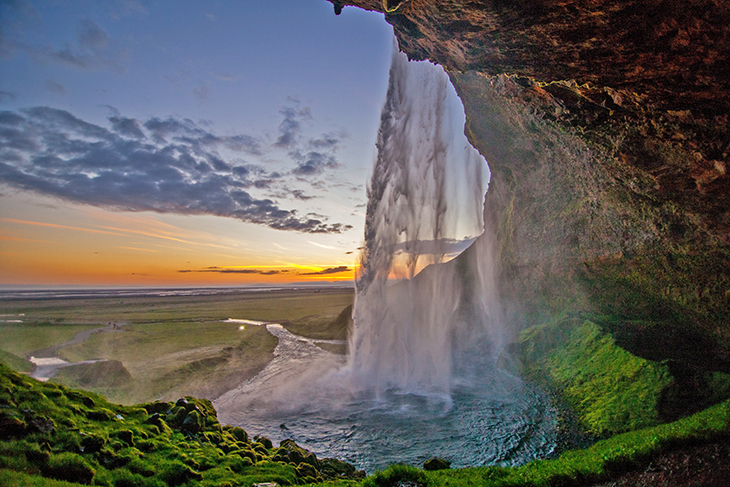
(291, 127)
(223, 270)
(313, 163)
(127, 127)
(163, 165)
(329, 270)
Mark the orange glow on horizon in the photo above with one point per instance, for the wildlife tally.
(92, 247)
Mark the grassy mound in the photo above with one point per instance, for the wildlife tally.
(53, 432)
(16, 363)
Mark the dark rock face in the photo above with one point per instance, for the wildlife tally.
(605, 124)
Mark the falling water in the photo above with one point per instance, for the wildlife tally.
(427, 190)
(421, 376)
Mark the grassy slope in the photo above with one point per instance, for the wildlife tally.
(49, 431)
(55, 432)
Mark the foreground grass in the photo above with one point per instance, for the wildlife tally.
(50, 434)
(54, 432)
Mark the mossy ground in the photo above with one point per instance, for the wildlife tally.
(609, 389)
(52, 435)
(54, 432)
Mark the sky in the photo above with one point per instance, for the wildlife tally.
(183, 143)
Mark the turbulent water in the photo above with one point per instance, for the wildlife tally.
(421, 376)
(305, 394)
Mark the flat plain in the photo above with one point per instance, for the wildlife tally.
(165, 347)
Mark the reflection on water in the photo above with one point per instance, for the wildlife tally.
(491, 417)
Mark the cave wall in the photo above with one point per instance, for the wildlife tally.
(605, 125)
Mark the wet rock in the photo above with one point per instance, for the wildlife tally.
(192, 422)
(436, 463)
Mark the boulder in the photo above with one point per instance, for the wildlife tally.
(436, 463)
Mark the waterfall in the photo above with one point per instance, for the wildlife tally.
(418, 310)
(420, 378)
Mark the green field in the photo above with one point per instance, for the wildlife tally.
(166, 347)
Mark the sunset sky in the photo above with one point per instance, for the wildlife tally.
(166, 143)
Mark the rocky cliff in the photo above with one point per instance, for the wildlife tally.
(605, 124)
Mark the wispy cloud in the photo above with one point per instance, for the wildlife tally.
(167, 165)
(55, 87)
(92, 49)
(269, 270)
(139, 249)
(64, 227)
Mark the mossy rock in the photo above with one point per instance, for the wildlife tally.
(70, 467)
(239, 434)
(264, 441)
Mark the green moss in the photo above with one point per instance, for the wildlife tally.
(610, 390)
(69, 466)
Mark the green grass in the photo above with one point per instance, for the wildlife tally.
(20, 339)
(15, 362)
(609, 389)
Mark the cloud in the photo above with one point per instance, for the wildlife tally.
(330, 270)
(202, 93)
(226, 270)
(313, 163)
(7, 95)
(91, 36)
(93, 50)
(54, 87)
(291, 127)
(225, 76)
(163, 165)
